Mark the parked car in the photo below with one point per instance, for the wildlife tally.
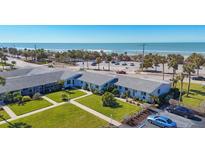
(180, 110)
(199, 78)
(132, 64)
(161, 121)
(124, 64)
(120, 72)
(117, 63)
(113, 62)
(93, 64)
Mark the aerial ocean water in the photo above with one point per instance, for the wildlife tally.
(130, 48)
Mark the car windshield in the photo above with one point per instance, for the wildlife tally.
(169, 121)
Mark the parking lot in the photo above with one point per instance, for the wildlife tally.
(181, 121)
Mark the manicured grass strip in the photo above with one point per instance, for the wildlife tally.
(56, 96)
(28, 106)
(4, 114)
(94, 102)
(196, 96)
(64, 116)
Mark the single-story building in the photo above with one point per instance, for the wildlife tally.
(141, 88)
(95, 81)
(35, 81)
(44, 80)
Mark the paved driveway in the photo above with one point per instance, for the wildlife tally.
(181, 121)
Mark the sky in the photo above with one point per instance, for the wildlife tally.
(100, 34)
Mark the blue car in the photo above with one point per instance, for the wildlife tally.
(161, 121)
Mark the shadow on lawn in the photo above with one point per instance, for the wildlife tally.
(198, 92)
(19, 125)
(69, 92)
(115, 105)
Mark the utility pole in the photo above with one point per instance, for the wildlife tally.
(143, 48)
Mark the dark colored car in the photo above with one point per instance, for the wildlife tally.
(117, 63)
(132, 64)
(94, 64)
(120, 72)
(199, 78)
(182, 111)
(124, 64)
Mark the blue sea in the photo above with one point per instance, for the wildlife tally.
(130, 48)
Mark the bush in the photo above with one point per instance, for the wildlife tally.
(108, 99)
(26, 98)
(115, 92)
(85, 86)
(50, 66)
(36, 96)
(64, 97)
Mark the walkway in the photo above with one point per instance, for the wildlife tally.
(50, 100)
(9, 111)
(101, 116)
(111, 121)
(55, 104)
(33, 112)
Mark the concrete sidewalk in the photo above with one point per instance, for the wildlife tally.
(101, 116)
(50, 100)
(9, 111)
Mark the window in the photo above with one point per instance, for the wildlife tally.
(68, 82)
(126, 88)
(97, 86)
(143, 93)
(119, 87)
(158, 91)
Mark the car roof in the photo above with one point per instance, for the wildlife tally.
(181, 107)
(162, 117)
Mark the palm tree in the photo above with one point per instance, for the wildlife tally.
(13, 63)
(163, 60)
(98, 61)
(189, 68)
(155, 99)
(2, 81)
(109, 59)
(197, 59)
(156, 61)
(4, 59)
(181, 77)
(172, 63)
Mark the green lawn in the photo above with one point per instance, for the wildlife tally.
(196, 96)
(56, 96)
(118, 113)
(64, 116)
(28, 106)
(4, 114)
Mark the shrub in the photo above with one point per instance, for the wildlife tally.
(64, 97)
(26, 98)
(85, 86)
(108, 99)
(36, 96)
(50, 66)
(115, 91)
